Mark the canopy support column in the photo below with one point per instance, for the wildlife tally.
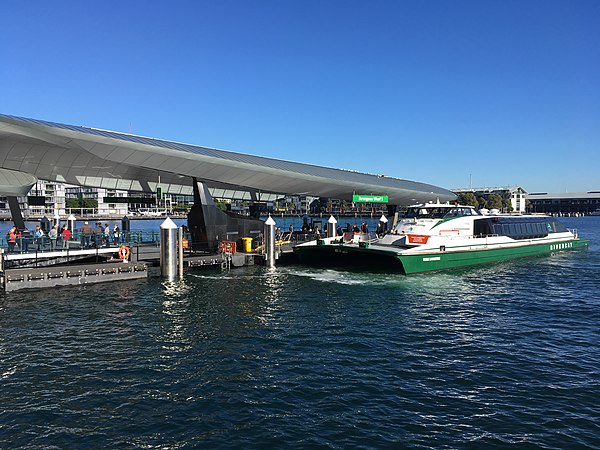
(15, 212)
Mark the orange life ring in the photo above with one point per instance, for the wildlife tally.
(124, 252)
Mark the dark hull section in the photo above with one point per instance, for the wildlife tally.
(337, 256)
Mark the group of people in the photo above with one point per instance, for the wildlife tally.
(90, 237)
(100, 235)
(364, 228)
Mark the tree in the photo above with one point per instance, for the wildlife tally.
(468, 198)
(221, 204)
(87, 203)
(494, 201)
(507, 205)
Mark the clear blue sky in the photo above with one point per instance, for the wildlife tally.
(507, 92)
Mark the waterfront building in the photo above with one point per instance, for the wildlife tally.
(46, 198)
(566, 203)
(102, 198)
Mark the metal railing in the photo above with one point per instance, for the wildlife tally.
(29, 244)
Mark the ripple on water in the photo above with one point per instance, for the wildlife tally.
(492, 357)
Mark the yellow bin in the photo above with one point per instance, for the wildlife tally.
(247, 244)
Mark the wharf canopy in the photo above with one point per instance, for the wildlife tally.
(107, 159)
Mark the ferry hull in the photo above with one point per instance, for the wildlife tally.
(346, 256)
(340, 256)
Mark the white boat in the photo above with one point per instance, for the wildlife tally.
(435, 236)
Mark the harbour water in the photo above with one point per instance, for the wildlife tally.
(498, 356)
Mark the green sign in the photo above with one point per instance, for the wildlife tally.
(369, 198)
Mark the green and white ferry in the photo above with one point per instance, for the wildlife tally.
(436, 236)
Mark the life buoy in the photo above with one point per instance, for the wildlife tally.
(124, 252)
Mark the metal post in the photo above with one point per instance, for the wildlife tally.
(180, 248)
(168, 249)
(331, 223)
(269, 233)
(71, 223)
(57, 219)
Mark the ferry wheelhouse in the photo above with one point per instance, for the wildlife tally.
(436, 236)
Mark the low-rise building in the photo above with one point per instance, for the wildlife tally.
(564, 203)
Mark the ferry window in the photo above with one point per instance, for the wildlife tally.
(454, 212)
(436, 213)
(411, 213)
(530, 230)
(540, 229)
(483, 228)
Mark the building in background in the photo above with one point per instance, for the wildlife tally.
(564, 203)
(46, 198)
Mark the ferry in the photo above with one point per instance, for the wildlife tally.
(435, 236)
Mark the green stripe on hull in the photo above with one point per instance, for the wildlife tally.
(449, 260)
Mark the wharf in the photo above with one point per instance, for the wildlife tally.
(70, 275)
(77, 266)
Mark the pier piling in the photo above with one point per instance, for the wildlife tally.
(168, 249)
(270, 242)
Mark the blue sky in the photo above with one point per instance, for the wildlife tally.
(505, 92)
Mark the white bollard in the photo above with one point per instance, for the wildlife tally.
(168, 249)
(383, 220)
(331, 223)
(71, 223)
(269, 233)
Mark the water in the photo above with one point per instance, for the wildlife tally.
(498, 356)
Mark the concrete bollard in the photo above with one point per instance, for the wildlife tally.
(331, 223)
(168, 249)
(270, 242)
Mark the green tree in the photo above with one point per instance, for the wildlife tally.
(507, 205)
(494, 201)
(468, 198)
(81, 202)
(221, 204)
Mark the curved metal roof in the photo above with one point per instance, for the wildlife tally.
(108, 159)
(15, 183)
